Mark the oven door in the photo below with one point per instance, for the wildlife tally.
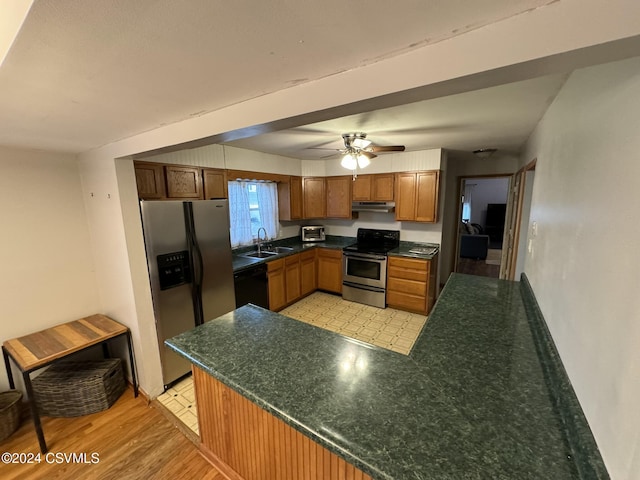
(364, 269)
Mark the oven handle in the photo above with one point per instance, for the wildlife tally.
(359, 286)
(365, 256)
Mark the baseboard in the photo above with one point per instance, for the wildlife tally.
(580, 440)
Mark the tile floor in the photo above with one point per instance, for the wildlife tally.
(384, 327)
(181, 401)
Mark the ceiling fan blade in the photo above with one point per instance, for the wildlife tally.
(388, 148)
(369, 155)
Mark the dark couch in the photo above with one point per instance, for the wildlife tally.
(473, 243)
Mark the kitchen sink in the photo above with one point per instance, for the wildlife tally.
(262, 254)
(279, 250)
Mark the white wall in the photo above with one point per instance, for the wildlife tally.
(584, 264)
(486, 191)
(48, 275)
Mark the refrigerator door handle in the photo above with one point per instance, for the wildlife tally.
(197, 267)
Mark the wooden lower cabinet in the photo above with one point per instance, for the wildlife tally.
(277, 284)
(292, 278)
(245, 442)
(329, 270)
(411, 284)
(308, 277)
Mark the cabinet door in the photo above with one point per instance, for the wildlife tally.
(308, 279)
(427, 196)
(276, 278)
(382, 188)
(330, 270)
(339, 196)
(215, 183)
(183, 182)
(405, 196)
(292, 278)
(290, 199)
(150, 180)
(362, 188)
(314, 199)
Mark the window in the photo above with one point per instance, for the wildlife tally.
(252, 205)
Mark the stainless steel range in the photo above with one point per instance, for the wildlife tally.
(364, 266)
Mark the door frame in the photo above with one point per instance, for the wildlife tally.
(460, 180)
(514, 212)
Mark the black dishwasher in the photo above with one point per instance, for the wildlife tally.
(251, 286)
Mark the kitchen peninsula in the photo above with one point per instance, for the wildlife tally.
(278, 398)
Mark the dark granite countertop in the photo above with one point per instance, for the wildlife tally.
(241, 262)
(408, 249)
(470, 401)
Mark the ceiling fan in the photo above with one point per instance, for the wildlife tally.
(358, 151)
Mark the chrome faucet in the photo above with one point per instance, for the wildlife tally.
(265, 239)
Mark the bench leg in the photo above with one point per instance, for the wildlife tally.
(34, 412)
(7, 365)
(133, 365)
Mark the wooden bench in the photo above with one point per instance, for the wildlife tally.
(36, 350)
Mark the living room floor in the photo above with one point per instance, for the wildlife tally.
(490, 267)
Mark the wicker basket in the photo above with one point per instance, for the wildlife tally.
(9, 413)
(73, 389)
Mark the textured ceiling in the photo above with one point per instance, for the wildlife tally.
(84, 73)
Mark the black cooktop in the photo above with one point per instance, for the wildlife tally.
(375, 241)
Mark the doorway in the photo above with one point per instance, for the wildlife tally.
(481, 225)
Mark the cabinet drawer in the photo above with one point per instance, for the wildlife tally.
(409, 274)
(329, 253)
(412, 263)
(291, 259)
(308, 255)
(406, 301)
(275, 265)
(407, 286)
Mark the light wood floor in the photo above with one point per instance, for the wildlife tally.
(133, 441)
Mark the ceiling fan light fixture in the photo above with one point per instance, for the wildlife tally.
(360, 143)
(484, 152)
(363, 161)
(349, 162)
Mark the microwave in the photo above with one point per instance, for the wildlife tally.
(312, 233)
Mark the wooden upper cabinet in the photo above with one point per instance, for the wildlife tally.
(314, 198)
(377, 188)
(427, 196)
(290, 199)
(383, 187)
(150, 180)
(183, 181)
(339, 196)
(405, 196)
(362, 188)
(417, 196)
(215, 183)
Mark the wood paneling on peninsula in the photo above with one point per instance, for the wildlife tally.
(246, 442)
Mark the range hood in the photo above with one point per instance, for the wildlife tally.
(383, 207)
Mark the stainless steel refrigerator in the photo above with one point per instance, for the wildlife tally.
(190, 269)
